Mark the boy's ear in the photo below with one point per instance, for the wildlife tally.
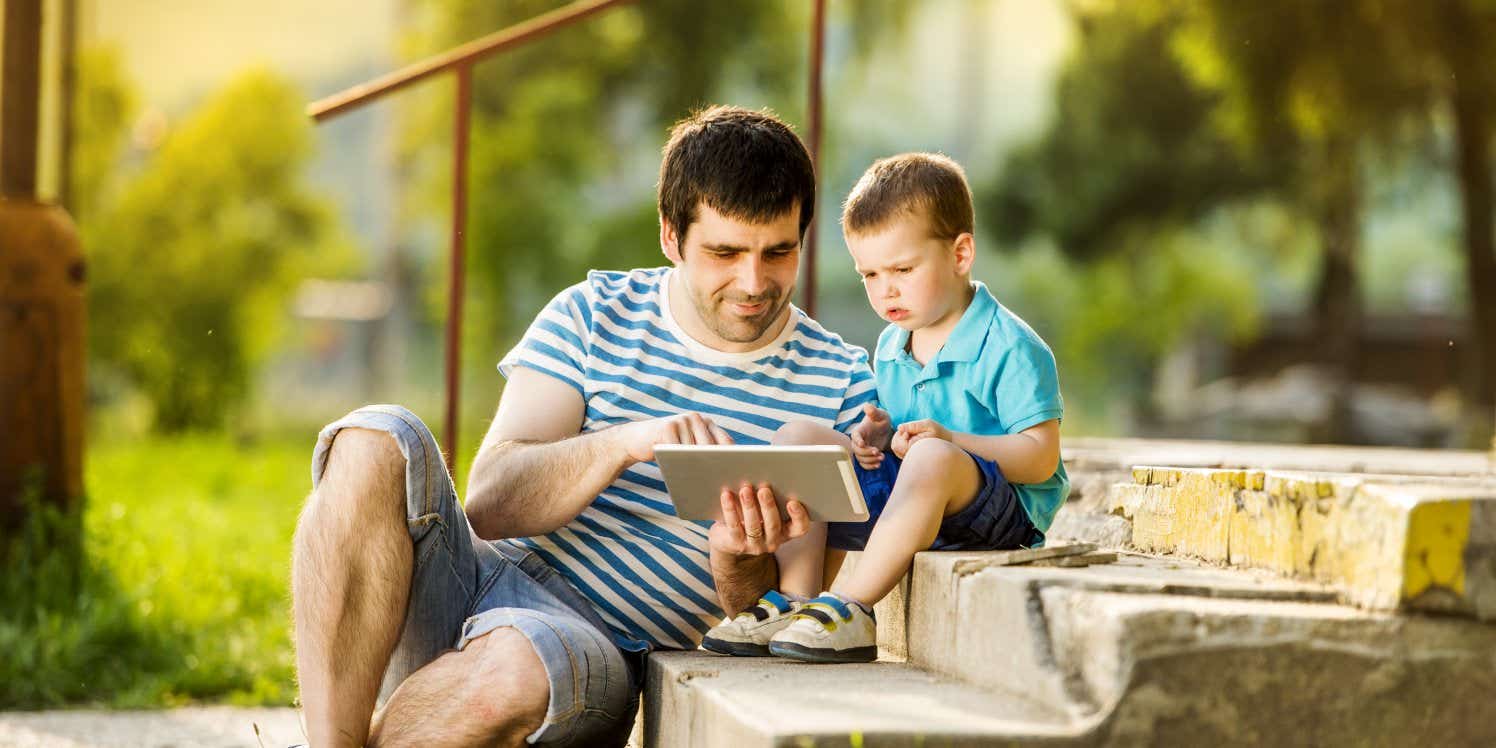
(670, 242)
(966, 252)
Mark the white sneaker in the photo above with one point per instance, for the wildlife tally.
(828, 629)
(747, 634)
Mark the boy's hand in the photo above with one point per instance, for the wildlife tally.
(913, 431)
(871, 436)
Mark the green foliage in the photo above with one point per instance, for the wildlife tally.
(193, 257)
(182, 592)
(1130, 145)
(565, 136)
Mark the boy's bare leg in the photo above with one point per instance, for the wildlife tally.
(832, 566)
(802, 560)
(937, 479)
(493, 692)
(350, 578)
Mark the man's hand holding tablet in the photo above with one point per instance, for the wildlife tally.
(750, 524)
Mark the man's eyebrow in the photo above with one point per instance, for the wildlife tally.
(783, 246)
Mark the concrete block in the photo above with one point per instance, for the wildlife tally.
(1383, 542)
(697, 699)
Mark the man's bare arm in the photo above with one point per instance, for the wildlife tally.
(536, 472)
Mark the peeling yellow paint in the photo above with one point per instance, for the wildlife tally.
(1435, 550)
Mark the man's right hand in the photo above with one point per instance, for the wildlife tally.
(640, 437)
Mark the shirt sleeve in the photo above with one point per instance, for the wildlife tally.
(1028, 387)
(861, 389)
(556, 342)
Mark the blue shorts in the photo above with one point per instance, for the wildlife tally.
(994, 520)
(463, 587)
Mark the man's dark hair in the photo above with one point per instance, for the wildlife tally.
(911, 184)
(746, 165)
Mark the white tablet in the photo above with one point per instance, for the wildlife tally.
(821, 477)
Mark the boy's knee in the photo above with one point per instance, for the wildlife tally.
(932, 458)
(803, 433)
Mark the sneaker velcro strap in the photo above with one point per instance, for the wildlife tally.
(772, 597)
(836, 604)
(818, 614)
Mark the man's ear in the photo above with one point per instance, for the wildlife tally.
(670, 242)
(966, 252)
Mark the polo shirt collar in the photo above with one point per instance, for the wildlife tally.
(965, 342)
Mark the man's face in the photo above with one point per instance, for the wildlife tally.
(738, 276)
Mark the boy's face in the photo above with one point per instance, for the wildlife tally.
(739, 276)
(912, 279)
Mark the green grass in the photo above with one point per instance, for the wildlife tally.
(183, 593)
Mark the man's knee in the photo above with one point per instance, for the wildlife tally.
(365, 470)
(804, 433)
(509, 689)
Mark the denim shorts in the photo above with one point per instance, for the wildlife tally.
(995, 519)
(463, 587)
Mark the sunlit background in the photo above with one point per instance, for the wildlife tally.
(1246, 221)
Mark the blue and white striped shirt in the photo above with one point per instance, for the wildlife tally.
(613, 339)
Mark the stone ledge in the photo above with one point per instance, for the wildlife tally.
(1384, 542)
(701, 699)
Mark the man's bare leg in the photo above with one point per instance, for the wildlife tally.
(493, 692)
(350, 580)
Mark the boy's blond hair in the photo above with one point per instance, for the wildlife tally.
(911, 184)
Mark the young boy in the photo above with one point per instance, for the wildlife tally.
(964, 453)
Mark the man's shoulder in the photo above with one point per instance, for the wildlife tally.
(605, 284)
(810, 337)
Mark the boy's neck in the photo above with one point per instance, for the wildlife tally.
(926, 342)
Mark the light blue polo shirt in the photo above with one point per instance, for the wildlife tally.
(993, 376)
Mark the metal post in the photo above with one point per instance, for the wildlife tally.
(458, 279)
(813, 116)
(19, 118)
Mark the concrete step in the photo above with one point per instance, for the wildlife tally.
(1382, 542)
(701, 699)
(1153, 650)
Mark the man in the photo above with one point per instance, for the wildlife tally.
(550, 625)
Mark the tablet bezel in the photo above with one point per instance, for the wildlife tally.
(824, 473)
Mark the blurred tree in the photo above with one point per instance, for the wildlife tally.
(1129, 160)
(192, 257)
(566, 133)
(1457, 39)
(1294, 78)
(1171, 109)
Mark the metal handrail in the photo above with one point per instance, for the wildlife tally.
(461, 56)
(460, 61)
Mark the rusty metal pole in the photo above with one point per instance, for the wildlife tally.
(22, 86)
(813, 116)
(458, 279)
(41, 308)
